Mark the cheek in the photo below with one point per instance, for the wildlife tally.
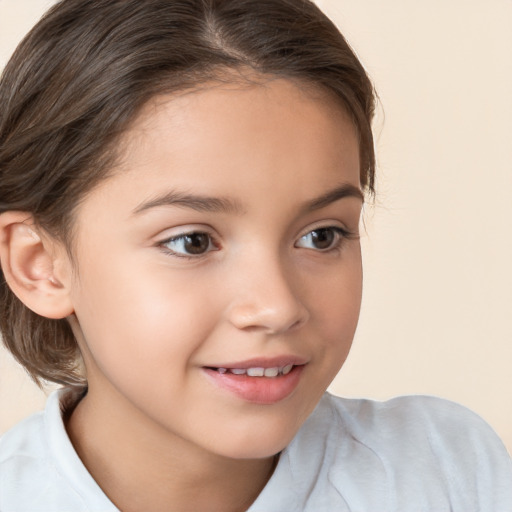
(337, 300)
(142, 320)
(335, 311)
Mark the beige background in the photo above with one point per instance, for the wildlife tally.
(437, 308)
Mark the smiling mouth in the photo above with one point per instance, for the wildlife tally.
(259, 384)
(273, 372)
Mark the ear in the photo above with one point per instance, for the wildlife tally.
(30, 262)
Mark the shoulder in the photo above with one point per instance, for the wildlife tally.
(415, 424)
(441, 424)
(23, 440)
(26, 467)
(415, 414)
(412, 450)
(36, 466)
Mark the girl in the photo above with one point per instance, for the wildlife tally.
(181, 188)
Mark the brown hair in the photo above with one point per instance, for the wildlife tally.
(84, 72)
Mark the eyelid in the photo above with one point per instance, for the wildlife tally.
(161, 243)
(342, 235)
(332, 224)
(184, 230)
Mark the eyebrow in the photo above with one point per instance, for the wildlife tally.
(192, 201)
(226, 205)
(341, 192)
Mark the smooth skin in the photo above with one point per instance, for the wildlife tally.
(268, 270)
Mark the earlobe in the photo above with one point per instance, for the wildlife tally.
(28, 263)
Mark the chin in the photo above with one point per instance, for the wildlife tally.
(257, 443)
(255, 451)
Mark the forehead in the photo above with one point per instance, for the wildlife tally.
(274, 137)
(265, 117)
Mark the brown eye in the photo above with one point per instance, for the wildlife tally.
(196, 243)
(189, 244)
(323, 239)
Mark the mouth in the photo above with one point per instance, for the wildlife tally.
(256, 371)
(256, 382)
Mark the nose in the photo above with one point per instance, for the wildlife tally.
(266, 299)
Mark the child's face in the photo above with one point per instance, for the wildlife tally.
(266, 277)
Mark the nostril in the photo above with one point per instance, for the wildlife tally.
(299, 323)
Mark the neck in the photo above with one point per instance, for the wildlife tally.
(140, 466)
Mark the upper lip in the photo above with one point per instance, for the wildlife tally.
(263, 362)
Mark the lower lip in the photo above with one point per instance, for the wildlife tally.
(258, 390)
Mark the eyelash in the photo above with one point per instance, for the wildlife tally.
(340, 236)
(182, 236)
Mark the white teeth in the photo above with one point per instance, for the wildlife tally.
(271, 372)
(256, 372)
(287, 369)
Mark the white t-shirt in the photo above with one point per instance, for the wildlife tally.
(410, 454)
